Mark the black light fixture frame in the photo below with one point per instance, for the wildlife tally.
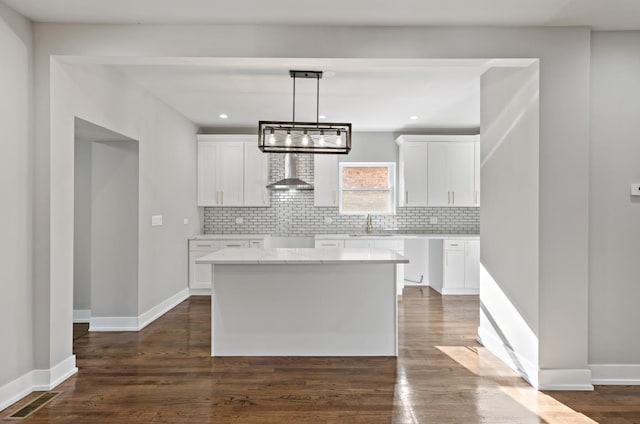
(315, 132)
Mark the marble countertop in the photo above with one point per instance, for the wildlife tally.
(392, 235)
(229, 236)
(315, 256)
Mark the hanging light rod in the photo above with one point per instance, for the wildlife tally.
(304, 137)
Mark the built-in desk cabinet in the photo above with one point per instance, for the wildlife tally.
(439, 171)
(232, 171)
(454, 266)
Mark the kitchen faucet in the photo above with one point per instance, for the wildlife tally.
(369, 225)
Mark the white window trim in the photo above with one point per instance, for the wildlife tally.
(391, 188)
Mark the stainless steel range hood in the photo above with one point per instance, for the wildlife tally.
(291, 180)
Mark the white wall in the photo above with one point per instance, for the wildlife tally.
(82, 226)
(114, 229)
(509, 217)
(167, 154)
(16, 167)
(614, 219)
(564, 149)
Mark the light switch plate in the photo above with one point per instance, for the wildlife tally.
(156, 220)
(635, 189)
(185, 221)
(433, 220)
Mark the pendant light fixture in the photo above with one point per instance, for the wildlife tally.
(304, 137)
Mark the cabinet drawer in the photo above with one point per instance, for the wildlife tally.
(396, 245)
(224, 244)
(256, 244)
(203, 245)
(454, 245)
(329, 243)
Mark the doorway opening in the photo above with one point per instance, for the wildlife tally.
(105, 253)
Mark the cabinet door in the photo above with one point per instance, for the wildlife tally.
(453, 269)
(230, 173)
(476, 177)
(325, 168)
(460, 171)
(256, 175)
(472, 264)
(413, 174)
(438, 190)
(199, 274)
(207, 191)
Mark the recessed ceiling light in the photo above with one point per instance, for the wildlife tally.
(413, 117)
(322, 117)
(223, 116)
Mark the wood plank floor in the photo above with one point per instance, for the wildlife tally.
(164, 374)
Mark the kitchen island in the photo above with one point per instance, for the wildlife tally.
(304, 302)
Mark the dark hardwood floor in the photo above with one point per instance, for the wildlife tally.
(164, 374)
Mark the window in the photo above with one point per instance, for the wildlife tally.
(367, 187)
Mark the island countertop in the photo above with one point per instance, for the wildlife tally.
(301, 256)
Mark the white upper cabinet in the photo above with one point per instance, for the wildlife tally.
(208, 194)
(231, 172)
(325, 169)
(256, 175)
(439, 170)
(413, 174)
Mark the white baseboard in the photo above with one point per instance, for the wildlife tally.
(462, 291)
(540, 379)
(81, 316)
(564, 379)
(199, 292)
(36, 380)
(141, 321)
(615, 374)
(113, 324)
(525, 368)
(162, 308)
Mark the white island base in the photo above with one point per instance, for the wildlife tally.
(334, 307)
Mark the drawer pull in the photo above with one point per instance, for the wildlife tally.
(233, 245)
(203, 245)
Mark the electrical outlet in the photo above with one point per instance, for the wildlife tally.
(239, 220)
(433, 220)
(156, 220)
(328, 220)
(635, 189)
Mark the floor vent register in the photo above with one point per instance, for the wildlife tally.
(33, 406)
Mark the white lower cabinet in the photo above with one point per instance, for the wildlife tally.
(200, 276)
(460, 269)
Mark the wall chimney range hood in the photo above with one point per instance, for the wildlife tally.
(291, 180)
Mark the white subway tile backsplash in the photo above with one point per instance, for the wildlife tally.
(293, 214)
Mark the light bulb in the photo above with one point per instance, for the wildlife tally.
(272, 138)
(287, 141)
(305, 138)
(339, 139)
(321, 140)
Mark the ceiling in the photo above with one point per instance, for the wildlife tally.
(599, 14)
(374, 95)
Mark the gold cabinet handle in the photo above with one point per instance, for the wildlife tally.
(222, 196)
(448, 197)
(406, 197)
(446, 259)
(453, 193)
